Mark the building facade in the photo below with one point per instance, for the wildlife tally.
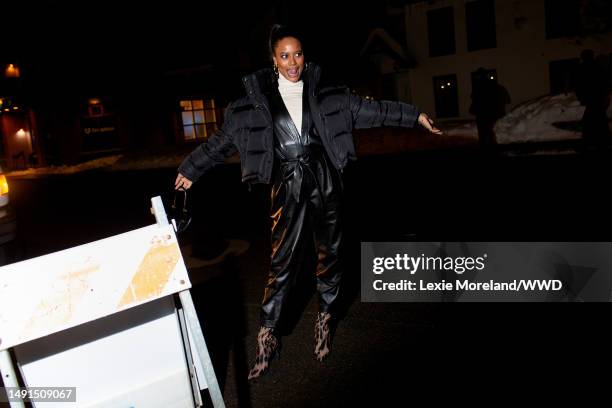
(19, 143)
(531, 47)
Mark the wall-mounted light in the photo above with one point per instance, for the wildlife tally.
(12, 71)
(94, 101)
(21, 133)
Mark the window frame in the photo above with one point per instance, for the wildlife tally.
(201, 109)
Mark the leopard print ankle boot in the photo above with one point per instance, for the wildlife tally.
(267, 347)
(322, 336)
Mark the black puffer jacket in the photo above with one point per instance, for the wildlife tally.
(248, 126)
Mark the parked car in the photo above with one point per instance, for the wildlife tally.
(8, 221)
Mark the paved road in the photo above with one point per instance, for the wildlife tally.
(383, 354)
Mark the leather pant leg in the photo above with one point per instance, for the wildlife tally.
(327, 234)
(289, 227)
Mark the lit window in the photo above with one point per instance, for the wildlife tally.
(95, 107)
(490, 74)
(446, 96)
(12, 71)
(198, 117)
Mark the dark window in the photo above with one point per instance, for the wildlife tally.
(596, 16)
(441, 31)
(446, 95)
(480, 25)
(562, 18)
(490, 74)
(199, 118)
(563, 75)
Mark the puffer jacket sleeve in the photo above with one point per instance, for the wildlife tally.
(214, 151)
(370, 114)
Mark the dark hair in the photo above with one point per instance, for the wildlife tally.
(278, 32)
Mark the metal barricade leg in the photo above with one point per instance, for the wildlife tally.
(193, 325)
(8, 375)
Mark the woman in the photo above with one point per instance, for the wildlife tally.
(298, 137)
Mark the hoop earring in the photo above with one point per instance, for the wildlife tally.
(275, 69)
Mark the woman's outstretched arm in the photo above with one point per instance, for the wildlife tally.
(369, 113)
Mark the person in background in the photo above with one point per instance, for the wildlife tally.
(489, 100)
(592, 91)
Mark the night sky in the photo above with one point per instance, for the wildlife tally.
(83, 43)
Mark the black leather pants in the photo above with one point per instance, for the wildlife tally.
(305, 205)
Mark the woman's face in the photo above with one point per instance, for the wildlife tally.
(289, 58)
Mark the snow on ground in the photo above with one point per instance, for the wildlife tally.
(153, 161)
(111, 163)
(53, 170)
(543, 119)
(120, 162)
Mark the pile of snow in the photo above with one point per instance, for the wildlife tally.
(537, 120)
(534, 120)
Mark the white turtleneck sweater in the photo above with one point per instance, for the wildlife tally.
(291, 92)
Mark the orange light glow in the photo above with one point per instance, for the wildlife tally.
(4, 188)
(12, 71)
(21, 133)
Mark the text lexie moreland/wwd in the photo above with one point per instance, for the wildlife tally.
(515, 285)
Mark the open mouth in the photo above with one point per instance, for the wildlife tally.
(293, 72)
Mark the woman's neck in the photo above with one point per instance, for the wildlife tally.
(285, 83)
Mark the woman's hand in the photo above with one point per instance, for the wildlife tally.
(427, 123)
(182, 182)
